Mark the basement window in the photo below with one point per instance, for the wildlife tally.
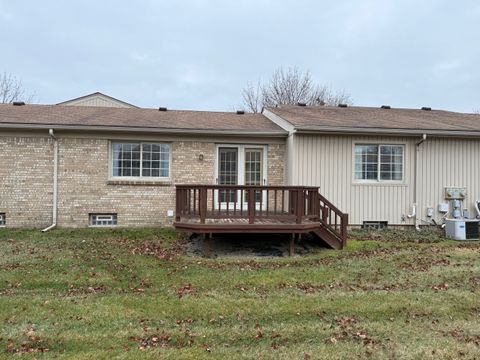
(3, 219)
(374, 225)
(103, 220)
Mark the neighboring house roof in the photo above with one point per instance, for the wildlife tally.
(135, 119)
(373, 120)
(97, 99)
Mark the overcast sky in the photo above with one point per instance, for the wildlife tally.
(196, 54)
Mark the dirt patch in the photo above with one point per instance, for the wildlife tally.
(248, 245)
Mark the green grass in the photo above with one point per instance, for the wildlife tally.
(101, 294)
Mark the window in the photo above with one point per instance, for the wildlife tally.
(146, 160)
(103, 219)
(379, 162)
(3, 219)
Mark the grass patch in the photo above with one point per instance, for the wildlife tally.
(426, 235)
(104, 294)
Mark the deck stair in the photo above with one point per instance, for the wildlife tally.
(209, 209)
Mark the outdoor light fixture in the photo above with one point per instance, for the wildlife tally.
(200, 157)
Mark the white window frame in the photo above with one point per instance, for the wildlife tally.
(112, 215)
(140, 178)
(241, 168)
(378, 180)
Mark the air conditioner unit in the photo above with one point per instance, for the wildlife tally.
(462, 229)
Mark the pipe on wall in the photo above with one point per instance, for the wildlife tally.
(55, 181)
(415, 184)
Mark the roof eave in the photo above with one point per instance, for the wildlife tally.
(384, 131)
(17, 126)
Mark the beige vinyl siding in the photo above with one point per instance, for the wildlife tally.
(97, 100)
(448, 162)
(327, 161)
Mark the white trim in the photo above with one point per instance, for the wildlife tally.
(138, 178)
(148, 130)
(241, 166)
(113, 218)
(284, 124)
(378, 181)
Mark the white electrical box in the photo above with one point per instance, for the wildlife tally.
(443, 208)
(461, 229)
(170, 213)
(429, 212)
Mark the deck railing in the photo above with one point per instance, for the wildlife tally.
(292, 204)
(333, 219)
(255, 203)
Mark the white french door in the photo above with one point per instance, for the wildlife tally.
(240, 165)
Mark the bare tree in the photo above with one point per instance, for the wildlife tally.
(476, 111)
(11, 89)
(289, 87)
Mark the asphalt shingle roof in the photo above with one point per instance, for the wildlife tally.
(323, 117)
(153, 119)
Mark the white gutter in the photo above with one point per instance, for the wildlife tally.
(415, 184)
(55, 181)
(386, 131)
(149, 130)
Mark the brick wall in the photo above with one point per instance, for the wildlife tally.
(83, 185)
(26, 175)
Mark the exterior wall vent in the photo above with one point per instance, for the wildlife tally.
(18, 103)
(3, 219)
(375, 225)
(301, 104)
(342, 105)
(99, 220)
(162, 109)
(240, 112)
(386, 107)
(426, 108)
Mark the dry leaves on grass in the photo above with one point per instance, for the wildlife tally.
(459, 335)
(185, 290)
(440, 287)
(31, 344)
(140, 289)
(96, 289)
(153, 249)
(9, 289)
(349, 329)
(150, 341)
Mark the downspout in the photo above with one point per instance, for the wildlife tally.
(55, 181)
(415, 184)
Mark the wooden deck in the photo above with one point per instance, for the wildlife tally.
(210, 209)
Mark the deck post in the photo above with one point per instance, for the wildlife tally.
(202, 204)
(292, 245)
(177, 205)
(300, 205)
(343, 229)
(251, 206)
(207, 245)
(325, 213)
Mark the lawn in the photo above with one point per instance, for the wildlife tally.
(93, 294)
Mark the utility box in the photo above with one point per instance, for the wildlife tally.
(455, 193)
(462, 229)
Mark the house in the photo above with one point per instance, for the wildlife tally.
(120, 165)
(77, 166)
(383, 164)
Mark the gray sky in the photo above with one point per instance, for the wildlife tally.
(194, 54)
